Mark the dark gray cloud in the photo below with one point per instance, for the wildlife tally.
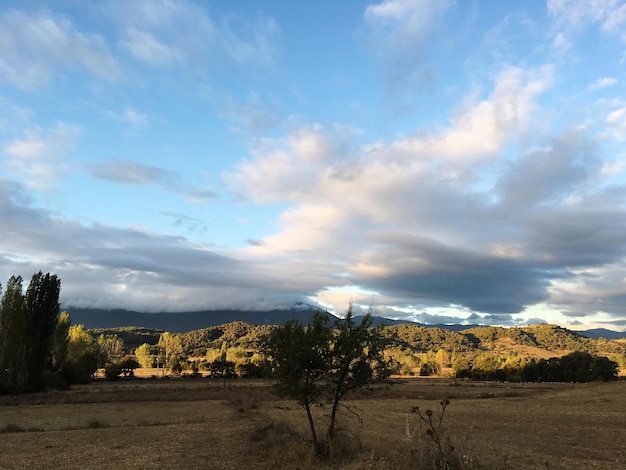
(422, 269)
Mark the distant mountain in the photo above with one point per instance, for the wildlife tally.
(382, 321)
(182, 322)
(598, 333)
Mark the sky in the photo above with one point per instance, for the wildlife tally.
(440, 161)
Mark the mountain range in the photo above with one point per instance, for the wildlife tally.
(182, 322)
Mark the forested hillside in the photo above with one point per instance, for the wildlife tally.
(544, 336)
(412, 339)
(236, 334)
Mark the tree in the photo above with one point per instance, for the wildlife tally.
(125, 367)
(144, 356)
(27, 332)
(170, 350)
(111, 349)
(42, 311)
(12, 335)
(61, 341)
(82, 355)
(356, 360)
(300, 358)
(221, 367)
(320, 363)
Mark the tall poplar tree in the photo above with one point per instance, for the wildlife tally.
(12, 335)
(42, 311)
(27, 325)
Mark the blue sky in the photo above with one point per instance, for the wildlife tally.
(442, 161)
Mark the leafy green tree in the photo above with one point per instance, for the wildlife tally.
(170, 351)
(61, 341)
(356, 360)
(320, 363)
(580, 366)
(603, 369)
(430, 364)
(222, 367)
(111, 349)
(144, 356)
(82, 355)
(300, 357)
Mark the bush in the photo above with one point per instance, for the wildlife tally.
(112, 371)
(128, 366)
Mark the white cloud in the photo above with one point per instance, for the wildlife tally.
(603, 82)
(579, 14)
(616, 124)
(481, 128)
(146, 48)
(252, 113)
(398, 32)
(164, 33)
(289, 168)
(40, 157)
(130, 116)
(616, 117)
(34, 48)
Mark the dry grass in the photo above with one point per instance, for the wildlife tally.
(191, 424)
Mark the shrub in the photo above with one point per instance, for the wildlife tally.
(112, 371)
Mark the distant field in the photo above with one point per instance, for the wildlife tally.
(196, 424)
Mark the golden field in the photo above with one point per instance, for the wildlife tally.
(240, 424)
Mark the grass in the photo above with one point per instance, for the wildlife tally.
(193, 424)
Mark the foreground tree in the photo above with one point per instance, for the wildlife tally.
(27, 332)
(320, 363)
(42, 311)
(12, 335)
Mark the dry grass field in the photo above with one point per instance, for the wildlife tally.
(196, 424)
